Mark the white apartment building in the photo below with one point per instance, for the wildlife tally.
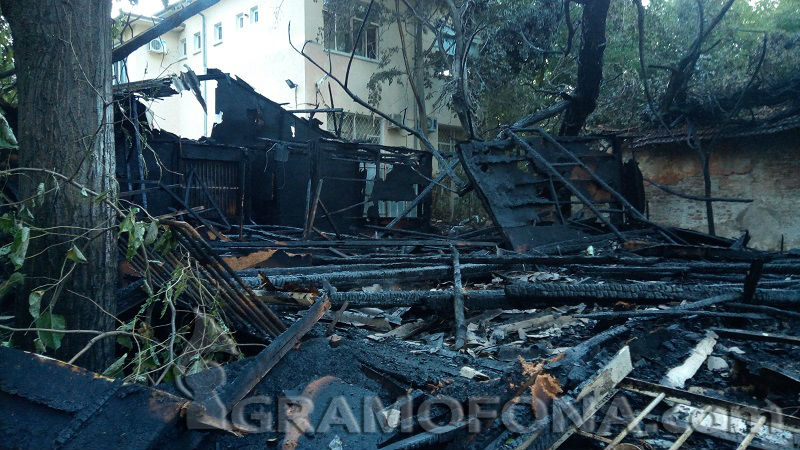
(250, 39)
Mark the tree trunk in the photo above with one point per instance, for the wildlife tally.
(63, 61)
(590, 67)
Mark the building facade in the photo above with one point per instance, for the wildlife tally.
(251, 40)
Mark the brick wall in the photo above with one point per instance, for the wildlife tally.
(764, 168)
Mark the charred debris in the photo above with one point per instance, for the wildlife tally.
(569, 319)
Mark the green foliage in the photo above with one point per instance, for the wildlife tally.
(14, 230)
(727, 64)
(74, 254)
(50, 339)
(7, 138)
(12, 281)
(115, 369)
(135, 230)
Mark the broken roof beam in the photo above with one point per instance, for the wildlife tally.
(170, 22)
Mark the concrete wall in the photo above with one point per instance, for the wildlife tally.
(763, 168)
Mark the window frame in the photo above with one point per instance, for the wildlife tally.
(365, 49)
(197, 40)
(254, 15)
(239, 23)
(217, 33)
(183, 47)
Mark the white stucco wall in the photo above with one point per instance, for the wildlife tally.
(395, 98)
(260, 54)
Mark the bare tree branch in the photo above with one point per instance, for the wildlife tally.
(423, 139)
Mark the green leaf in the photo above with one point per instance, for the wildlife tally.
(12, 281)
(7, 138)
(127, 326)
(135, 239)
(40, 193)
(126, 226)
(165, 243)
(24, 213)
(50, 339)
(19, 248)
(74, 254)
(7, 223)
(35, 303)
(125, 341)
(39, 345)
(152, 233)
(115, 369)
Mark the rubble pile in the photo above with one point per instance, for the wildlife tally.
(567, 320)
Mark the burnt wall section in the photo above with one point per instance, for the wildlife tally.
(261, 164)
(284, 158)
(762, 168)
(530, 204)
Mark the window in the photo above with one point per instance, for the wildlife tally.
(218, 32)
(198, 42)
(240, 21)
(254, 14)
(357, 127)
(341, 33)
(448, 137)
(182, 48)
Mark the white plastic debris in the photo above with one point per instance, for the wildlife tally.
(473, 374)
(715, 364)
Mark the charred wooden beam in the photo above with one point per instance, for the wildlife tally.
(671, 313)
(234, 392)
(362, 278)
(640, 293)
(473, 299)
(362, 243)
(748, 335)
(751, 280)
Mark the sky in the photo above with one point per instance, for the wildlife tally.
(143, 7)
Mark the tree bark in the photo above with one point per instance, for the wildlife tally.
(590, 67)
(63, 61)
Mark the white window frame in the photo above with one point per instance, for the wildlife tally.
(218, 33)
(197, 42)
(254, 15)
(182, 47)
(240, 21)
(330, 37)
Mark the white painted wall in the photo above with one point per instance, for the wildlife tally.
(260, 54)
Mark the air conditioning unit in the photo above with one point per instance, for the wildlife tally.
(397, 118)
(157, 46)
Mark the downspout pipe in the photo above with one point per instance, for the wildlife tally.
(205, 70)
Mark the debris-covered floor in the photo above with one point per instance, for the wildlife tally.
(592, 345)
(565, 320)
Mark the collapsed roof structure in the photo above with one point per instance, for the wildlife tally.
(570, 321)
